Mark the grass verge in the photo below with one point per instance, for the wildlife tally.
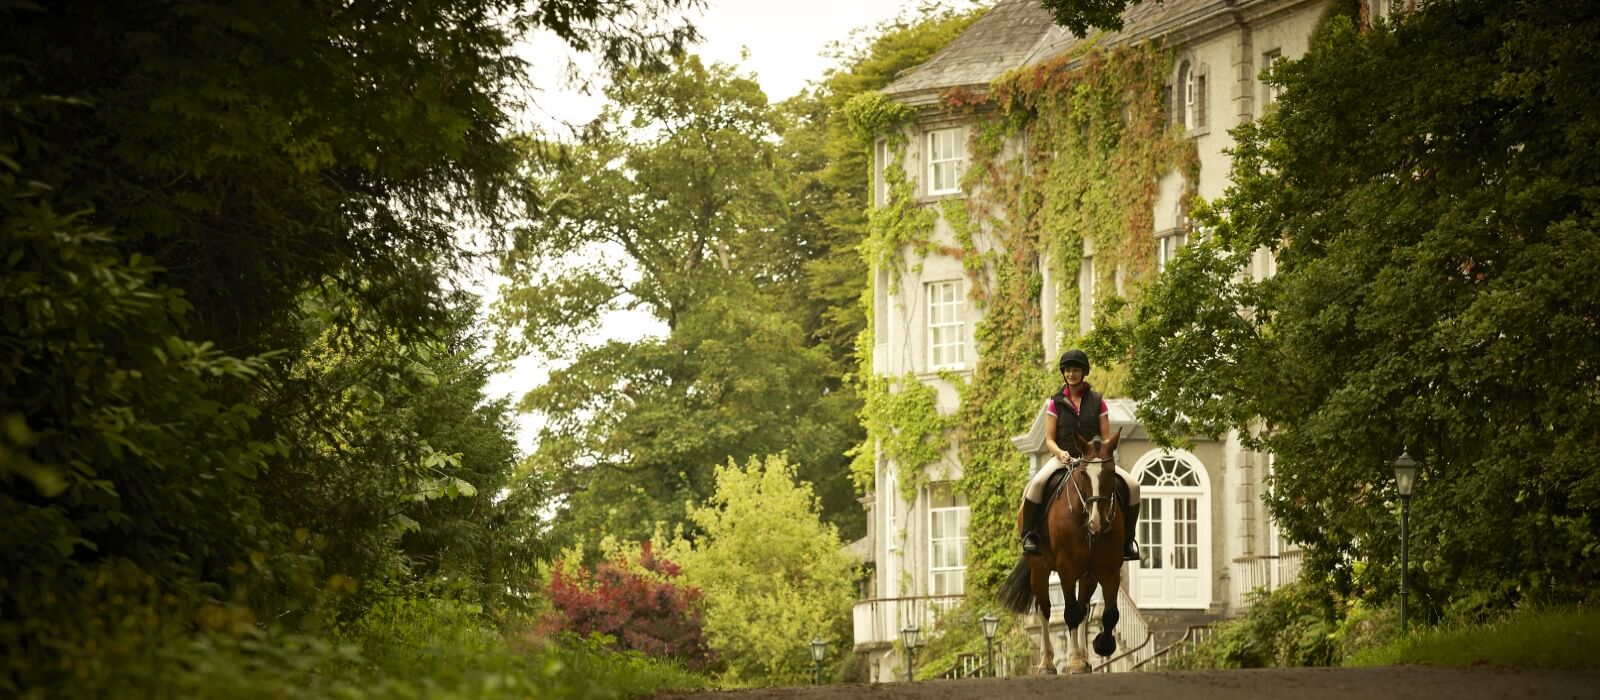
(1557, 638)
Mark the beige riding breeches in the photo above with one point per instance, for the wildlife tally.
(1035, 490)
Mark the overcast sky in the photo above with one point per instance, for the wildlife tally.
(783, 42)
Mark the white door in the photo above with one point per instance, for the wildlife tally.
(1174, 534)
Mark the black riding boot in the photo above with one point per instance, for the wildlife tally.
(1130, 522)
(1030, 526)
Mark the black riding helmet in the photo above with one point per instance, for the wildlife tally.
(1074, 357)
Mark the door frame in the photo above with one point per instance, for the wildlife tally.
(1205, 529)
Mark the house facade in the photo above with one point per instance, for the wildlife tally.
(1206, 536)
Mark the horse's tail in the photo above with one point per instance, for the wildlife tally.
(1016, 594)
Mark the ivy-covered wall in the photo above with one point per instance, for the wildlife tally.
(1062, 153)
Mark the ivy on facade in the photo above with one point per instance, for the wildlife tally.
(1065, 152)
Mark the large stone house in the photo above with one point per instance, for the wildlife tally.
(1207, 538)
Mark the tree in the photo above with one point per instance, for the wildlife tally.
(1083, 15)
(830, 170)
(195, 198)
(1421, 187)
(669, 208)
(774, 575)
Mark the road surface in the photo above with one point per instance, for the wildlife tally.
(1381, 683)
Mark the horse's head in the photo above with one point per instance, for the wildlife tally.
(1100, 468)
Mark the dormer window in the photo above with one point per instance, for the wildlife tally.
(947, 160)
(1190, 110)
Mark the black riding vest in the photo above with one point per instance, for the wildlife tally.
(1084, 422)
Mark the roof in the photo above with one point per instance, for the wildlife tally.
(1018, 33)
(997, 42)
(1148, 19)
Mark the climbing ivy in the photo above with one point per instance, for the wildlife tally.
(899, 222)
(1066, 151)
(902, 418)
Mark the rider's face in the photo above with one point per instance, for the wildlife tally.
(1073, 375)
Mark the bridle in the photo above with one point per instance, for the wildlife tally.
(1086, 501)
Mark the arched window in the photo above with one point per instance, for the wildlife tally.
(1189, 107)
(1185, 86)
(1169, 470)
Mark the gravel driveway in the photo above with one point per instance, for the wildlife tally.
(1293, 683)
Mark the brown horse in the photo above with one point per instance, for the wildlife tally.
(1084, 547)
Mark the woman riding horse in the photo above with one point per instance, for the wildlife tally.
(1075, 410)
(1084, 549)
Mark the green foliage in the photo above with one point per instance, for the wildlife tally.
(401, 648)
(236, 404)
(676, 188)
(1097, 142)
(1083, 15)
(1418, 185)
(414, 469)
(901, 222)
(903, 420)
(957, 631)
(871, 115)
(1527, 637)
(1296, 625)
(829, 169)
(774, 575)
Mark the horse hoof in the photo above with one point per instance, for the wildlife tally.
(1046, 670)
(1105, 643)
(1078, 669)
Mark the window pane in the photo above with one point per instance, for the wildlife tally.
(946, 331)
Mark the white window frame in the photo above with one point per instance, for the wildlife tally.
(1185, 96)
(1270, 92)
(946, 147)
(947, 330)
(1087, 292)
(960, 515)
(1190, 96)
(881, 173)
(1167, 247)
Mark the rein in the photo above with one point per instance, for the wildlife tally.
(1111, 502)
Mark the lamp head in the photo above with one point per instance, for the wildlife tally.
(1405, 473)
(990, 623)
(819, 649)
(910, 636)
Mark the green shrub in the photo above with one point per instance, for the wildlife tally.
(402, 648)
(1296, 625)
(1530, 637)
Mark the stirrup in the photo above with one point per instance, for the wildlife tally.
(1130, 551)
(1030, 543)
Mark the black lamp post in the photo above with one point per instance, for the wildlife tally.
(819, 649)
(910, 638)
(1405, 477)
(989, 623)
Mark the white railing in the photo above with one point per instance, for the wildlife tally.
(1133, 636)
(975, 665)
(879, 620)
(1264, 572)
(1163, 659)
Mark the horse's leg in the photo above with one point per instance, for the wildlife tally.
(1040, 582)
(1074, 615)
(1078, 636)
(1105, 643)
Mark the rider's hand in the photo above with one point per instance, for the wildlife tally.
(1064, 458)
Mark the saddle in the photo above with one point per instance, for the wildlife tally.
(1054, 485)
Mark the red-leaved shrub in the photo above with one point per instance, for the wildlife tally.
(637, 602)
